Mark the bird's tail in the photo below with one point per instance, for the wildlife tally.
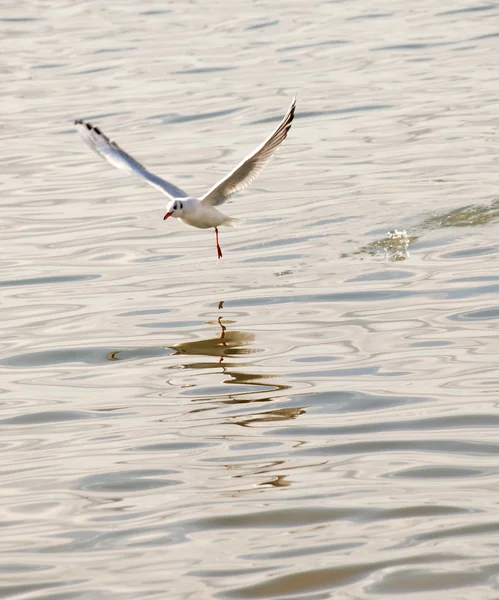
(230, 222)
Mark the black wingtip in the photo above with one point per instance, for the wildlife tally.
(291, 115)
(89, 126)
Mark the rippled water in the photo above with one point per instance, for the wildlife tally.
(315, 415)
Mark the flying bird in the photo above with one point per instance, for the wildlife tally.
(198, 212)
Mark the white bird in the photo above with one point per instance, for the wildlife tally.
(198, 212)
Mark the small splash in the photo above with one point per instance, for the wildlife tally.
(396, 243)
(395, 246)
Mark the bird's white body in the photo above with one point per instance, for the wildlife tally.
(198, 212)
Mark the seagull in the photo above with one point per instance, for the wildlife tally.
(198, 212)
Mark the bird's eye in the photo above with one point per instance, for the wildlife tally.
(174, 207)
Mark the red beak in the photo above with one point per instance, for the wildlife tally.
(166, 216)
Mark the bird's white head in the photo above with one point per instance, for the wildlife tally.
(174, 209)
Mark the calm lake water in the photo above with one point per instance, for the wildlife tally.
(315, 415)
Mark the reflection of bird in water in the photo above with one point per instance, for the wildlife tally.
(224, 346)
(229, 344)
(226, 343)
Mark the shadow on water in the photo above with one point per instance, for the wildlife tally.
(396, 243)
(226, 344)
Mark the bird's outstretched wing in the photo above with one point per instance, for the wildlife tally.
(110, 151)
(248, 169)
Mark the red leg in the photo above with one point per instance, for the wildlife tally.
(219, 250)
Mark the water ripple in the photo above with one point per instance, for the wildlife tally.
(318, 408)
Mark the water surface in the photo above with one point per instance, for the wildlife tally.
(315, 415)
